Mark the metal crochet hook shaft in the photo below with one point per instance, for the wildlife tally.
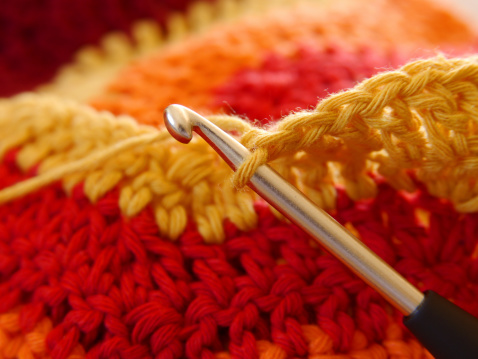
(181, 122)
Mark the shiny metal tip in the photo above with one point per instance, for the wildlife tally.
(179, 121)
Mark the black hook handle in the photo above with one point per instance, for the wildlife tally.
(447, 331)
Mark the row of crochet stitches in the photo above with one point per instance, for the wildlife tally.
(115, 288)
(278, 33)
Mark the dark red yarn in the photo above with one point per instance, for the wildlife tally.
(281, 85)
(37, 36)
(120, 290)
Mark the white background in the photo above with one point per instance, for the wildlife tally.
(468, 9)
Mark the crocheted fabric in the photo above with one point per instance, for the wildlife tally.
(36, 37)
(118, 242)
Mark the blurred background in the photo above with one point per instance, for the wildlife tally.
(466, 8)
(37, 37)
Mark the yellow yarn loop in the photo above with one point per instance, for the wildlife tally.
(423, 117)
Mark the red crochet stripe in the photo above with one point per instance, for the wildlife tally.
(281, 84)
(38, 36)
(118, 288)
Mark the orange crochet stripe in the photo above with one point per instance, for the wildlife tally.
(416, 118)
(187, 73)
(16, 343)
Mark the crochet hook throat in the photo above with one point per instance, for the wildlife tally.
(181, 122)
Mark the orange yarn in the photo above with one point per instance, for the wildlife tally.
(187, 73)
(15, 343)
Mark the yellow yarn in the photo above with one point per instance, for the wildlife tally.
(422, 117)
(75, 143)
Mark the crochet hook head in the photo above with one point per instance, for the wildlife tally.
(446, 330)
(182, 121)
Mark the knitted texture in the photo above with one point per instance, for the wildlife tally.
(116, 241)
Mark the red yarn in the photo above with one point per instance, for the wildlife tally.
(281, 85)
(37, 36)
(116, 287)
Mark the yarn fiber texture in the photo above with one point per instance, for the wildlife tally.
(116, 241)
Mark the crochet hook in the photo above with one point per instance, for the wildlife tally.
(446, 330)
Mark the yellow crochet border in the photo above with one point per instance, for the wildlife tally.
(75, 143)
(422, 118)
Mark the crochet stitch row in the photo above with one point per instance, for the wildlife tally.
(74, 143)
(266, 287)
(421, 117)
